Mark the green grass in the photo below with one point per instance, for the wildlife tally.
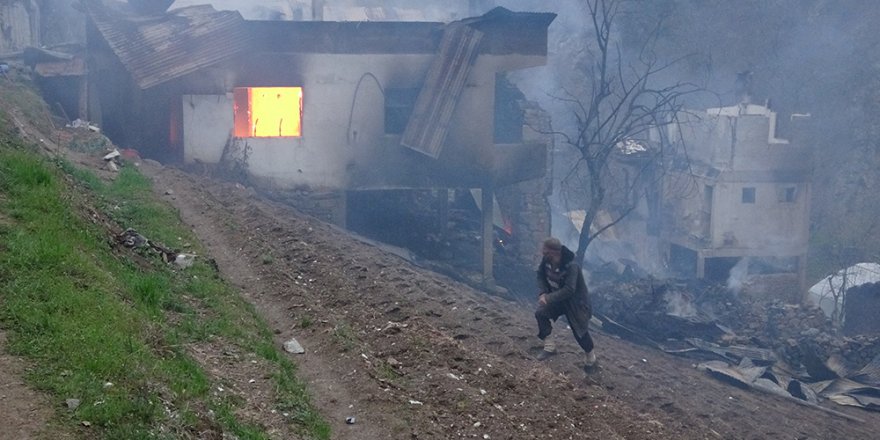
(85, 316)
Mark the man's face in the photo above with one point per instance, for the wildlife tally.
(552, 255)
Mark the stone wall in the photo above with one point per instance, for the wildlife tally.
(526, 203)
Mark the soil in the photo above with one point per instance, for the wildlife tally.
(405, 353)
(23, 412)
(413, 354)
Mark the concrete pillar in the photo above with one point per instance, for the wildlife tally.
(701, 265)
(802, 277)
(442, 210)
(83, 104)
(318, 10)
(488, 236)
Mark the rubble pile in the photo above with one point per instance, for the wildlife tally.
(678, 310)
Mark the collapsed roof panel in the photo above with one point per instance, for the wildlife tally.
(156, 49)
(429, 123)
(500, 31)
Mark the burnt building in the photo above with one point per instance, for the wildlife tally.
(327, 107)
(741, 197)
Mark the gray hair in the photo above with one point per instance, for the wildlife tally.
(553, 243)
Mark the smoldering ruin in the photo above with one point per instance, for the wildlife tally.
(416, 128)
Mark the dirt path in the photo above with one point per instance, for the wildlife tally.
(412, 354)
(25, 412)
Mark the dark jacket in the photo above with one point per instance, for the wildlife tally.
(572, 294)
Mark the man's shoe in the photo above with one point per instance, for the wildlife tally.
(590, 361)
(544, 355)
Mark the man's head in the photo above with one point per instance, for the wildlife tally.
(552, 250)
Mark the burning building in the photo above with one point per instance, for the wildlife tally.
(747, 204)
(329, 107)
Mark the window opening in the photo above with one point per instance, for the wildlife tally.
(399, 104)
(267, 111)
(788, 194)
(748, 195)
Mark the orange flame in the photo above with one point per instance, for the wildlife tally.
(268, 111)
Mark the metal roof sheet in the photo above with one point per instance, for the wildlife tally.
(158, 48)
(429, 122)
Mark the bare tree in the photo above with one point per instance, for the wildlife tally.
(618, 104)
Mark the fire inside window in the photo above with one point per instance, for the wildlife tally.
(268, 111)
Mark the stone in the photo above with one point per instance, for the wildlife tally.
(293, 346)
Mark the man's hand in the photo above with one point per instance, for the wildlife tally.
(542, 299)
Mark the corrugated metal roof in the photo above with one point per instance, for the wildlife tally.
(156, 49)
(429, 122)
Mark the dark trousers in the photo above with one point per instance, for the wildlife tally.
(551, 312)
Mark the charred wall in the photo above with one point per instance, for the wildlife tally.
(527, 203)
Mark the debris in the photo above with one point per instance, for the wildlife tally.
(184, 261)
(112, 155)
(415, 402)
(293, 346)
(755, 378)
(132, 239)
(79, 123)
(850, 393)
(350, 420)
(393, 328)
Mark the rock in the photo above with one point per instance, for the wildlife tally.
(72, 403)
(184, 261)
(112, 155)
(293, 346)
(810, 332)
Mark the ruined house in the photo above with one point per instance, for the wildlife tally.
(327, 108)
(740, 203)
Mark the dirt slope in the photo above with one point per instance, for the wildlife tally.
(412, 354)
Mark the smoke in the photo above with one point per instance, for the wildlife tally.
(678, 304)
(739, 276)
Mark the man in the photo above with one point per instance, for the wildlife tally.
(562, 290)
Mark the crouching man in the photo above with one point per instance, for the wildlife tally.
(562, 290)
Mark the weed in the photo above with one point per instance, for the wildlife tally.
(385, 371)
(344, 336)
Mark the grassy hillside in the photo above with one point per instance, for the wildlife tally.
(115, 328)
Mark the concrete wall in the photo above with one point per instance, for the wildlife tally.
(207, 121)
(768, 226)
(731, 149)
